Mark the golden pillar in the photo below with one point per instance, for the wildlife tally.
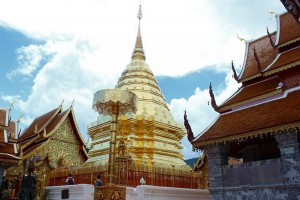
(114, 102)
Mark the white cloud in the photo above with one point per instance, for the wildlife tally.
(29, 59)
(200, 113)
(90, 43)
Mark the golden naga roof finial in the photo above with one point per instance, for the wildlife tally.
(241, 39)
(12, 104)
(272, 13)
(72, 102)
(20, 118)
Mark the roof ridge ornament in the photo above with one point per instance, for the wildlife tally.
(212, 97)
(271, 12)
(258, 64)
(241, 39)
(188, 128)
(235, 76)
(271, 40)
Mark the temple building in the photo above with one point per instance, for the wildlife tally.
(258, 126)
(56, 136)
(151, 135)
(8, 140)
(52, 141)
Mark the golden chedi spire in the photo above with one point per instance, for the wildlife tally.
(138, 52)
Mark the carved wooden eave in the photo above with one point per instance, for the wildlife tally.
(29, 142)
(247, 135)
(43, 144)
(250, 100)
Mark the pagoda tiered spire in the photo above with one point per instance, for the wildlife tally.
(138, 52)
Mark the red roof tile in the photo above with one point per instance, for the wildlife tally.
(39, 123)
(12, 158)
(12, 129)
(266, 54)
(270, 114)
(34, 146)
(8, 148)
(2, 137)
(288, 28)
(3, 117)
(56, 121)
(284, 59)
(246, 93)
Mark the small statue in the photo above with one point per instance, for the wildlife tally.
(142, 181)
(121, 147)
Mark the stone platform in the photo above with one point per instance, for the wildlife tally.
(141, 192)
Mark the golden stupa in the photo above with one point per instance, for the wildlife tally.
(151, 135)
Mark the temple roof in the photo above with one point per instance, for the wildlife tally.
(39, 123)
(289, 30)
(285, 60)
(252, 93)
(268, 98)
(41, 129)
(4, 116)
(8, 138)
(266, 54)
(254, 120)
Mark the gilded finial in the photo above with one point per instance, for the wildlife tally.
(20, 118)
(241, 39)
(140, 15)
(72, 102)
(12, 104)
(138, 52)
(271, 12)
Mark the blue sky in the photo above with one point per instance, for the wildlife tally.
(64, 50)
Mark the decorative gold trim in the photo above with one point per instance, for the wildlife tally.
(251, 77)
(284, 67)
(289, 42)
(246, 135)
(273, 93)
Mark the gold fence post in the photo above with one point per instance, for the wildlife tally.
(173, 177)
(191, 175)
(152, 174)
